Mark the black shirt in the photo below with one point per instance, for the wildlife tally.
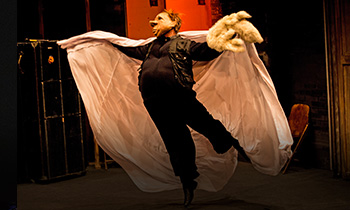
(157, 78)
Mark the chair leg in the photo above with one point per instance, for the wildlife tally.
(105, 158)
(287, 164)
(97, 155)
(295, 149)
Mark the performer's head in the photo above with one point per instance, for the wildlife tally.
(166, 23)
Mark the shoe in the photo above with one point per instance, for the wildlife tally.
(189, 193)
(240, 150)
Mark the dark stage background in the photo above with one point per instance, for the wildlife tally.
(8, 105)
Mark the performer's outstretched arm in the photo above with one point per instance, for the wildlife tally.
(202, 52)
(134, 52)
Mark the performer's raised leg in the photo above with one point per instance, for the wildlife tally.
(203, 122)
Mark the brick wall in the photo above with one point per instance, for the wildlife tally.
(294, 44)
(301, 69)
(309, 86)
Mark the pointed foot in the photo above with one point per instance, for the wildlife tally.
(189, 193)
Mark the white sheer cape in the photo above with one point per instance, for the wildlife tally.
(235, 88)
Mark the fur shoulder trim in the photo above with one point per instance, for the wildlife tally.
(230, 32)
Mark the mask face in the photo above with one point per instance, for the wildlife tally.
(162, 24)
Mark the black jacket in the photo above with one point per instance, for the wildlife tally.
(181, 53)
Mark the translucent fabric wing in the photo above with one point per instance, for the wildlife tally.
(235, 88)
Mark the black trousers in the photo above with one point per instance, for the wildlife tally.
(172, 115)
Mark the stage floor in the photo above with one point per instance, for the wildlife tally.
(112, 189)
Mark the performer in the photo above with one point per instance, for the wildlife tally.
(165, 83)
(235, 86)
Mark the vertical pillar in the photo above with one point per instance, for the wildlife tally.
(87, 15)
(41, 19)
(337, 22)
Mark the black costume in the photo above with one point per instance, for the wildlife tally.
(165, 82)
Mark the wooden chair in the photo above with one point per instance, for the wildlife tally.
(298, 122)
